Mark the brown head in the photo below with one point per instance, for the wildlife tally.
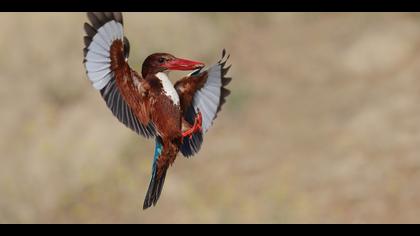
(161, 62)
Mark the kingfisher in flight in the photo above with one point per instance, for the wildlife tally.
(176, 115)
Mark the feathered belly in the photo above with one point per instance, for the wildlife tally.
(167, 117)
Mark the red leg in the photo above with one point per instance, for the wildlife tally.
(196, 127)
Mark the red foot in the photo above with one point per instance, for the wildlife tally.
(196, 127)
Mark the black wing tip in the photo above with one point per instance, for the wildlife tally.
(118, 17)
(225, 92)
(87, 40)
(226, 80)
(223, 60)
(225, 69)
(126, 47)
(98, 19)
(95, 21)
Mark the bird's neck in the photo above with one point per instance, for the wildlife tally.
(168, 87)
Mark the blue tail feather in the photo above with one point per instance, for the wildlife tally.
(156, 182)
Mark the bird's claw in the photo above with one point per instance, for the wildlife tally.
(196, 127)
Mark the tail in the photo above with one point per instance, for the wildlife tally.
(156, 183)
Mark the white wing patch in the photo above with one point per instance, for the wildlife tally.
(207, 99)
(98, 62)
(168, 87)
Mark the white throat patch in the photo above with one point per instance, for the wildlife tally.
(168, 87)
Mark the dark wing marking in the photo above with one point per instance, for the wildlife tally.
(123, 112)
(126, 48)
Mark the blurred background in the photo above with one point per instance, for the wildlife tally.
(322, 126)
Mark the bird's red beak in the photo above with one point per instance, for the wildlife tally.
(183, 64)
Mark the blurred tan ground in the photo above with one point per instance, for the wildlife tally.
(323, 124)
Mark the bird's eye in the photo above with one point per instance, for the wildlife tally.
(161, 60)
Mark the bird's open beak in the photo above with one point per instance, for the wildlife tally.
(183, 64)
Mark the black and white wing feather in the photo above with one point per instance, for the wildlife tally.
(123, 112)
(208, 98)
(104, 29)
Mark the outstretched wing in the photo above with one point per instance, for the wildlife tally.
(105, 57)
(203, 91)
